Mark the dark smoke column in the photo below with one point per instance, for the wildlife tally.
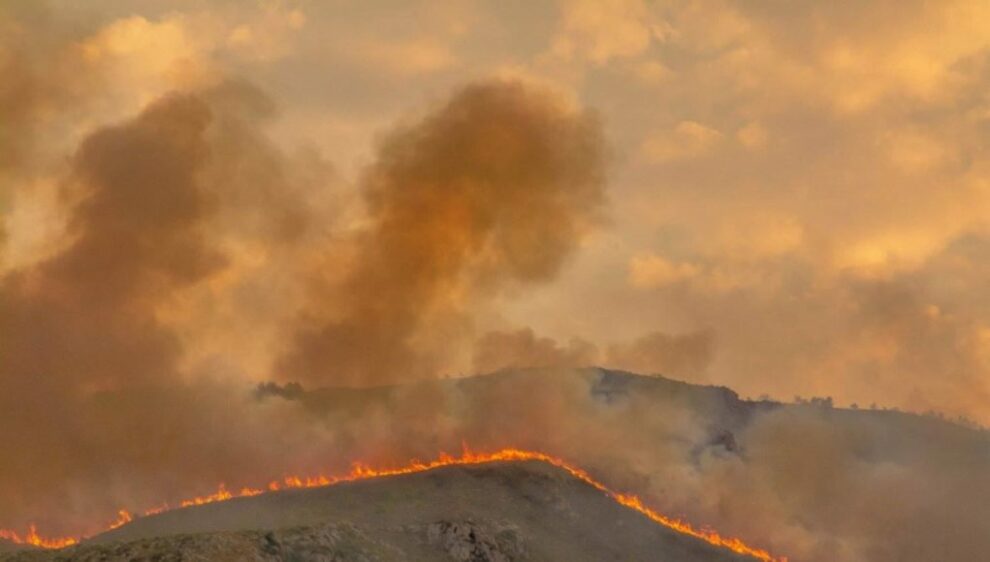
(495, 188)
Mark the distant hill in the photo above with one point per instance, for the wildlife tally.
(720, 406)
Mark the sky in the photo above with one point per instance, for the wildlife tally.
(786, 198)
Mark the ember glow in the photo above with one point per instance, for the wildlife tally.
(362, 471)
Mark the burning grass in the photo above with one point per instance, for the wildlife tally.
(361, 471)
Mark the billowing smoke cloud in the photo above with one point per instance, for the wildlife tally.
(32, 68)
(524, 349)
(105, 401)
(495, 188)
(84, 321)
(39, 82)
(683, 356)
(90, 380)
(136, 237)
(853, 486)
(185, 220)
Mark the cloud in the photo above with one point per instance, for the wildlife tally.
(688, 139)
(408, 57)
(650, 271)
(753, 136)
(828, 154)
(599, 33)
(266, 35)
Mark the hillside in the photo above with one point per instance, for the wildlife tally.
(698, 452)
(498, 512)
(7, 546)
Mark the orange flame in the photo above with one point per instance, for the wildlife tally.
(365, 472)
(34, 539)
(123, 518)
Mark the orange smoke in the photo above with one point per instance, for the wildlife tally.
(467, 457)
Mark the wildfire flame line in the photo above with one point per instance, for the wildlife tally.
(362, 471)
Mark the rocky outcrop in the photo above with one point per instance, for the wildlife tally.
(467, 541)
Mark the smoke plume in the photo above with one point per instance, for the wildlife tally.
(494, 189)
(110, 388)
(84, 322)
(186, 220)
(136, 237)
(683, 356)
(524, 349)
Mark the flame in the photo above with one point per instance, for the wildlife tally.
(34, 539)
(362, 471)
(123, 518)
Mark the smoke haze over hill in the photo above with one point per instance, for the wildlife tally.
(196, 198)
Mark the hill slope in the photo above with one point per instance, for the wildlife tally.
(7, 546)
(497, 512)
